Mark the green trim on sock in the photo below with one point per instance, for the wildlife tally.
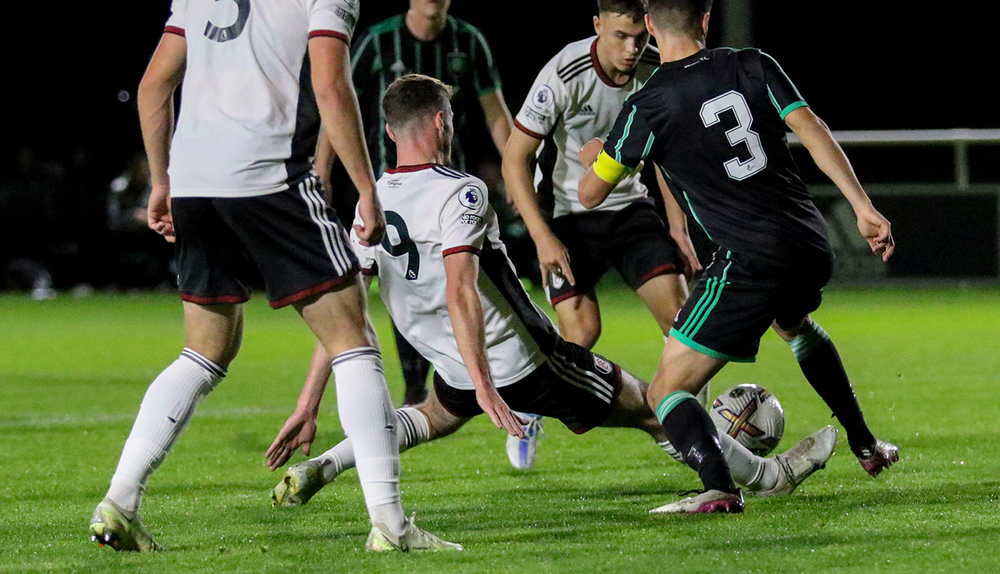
(809, 341)
(669, 402)
(710, 352)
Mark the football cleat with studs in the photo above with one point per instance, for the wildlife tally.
(522, 451)
(112, 526)
(801, 461)
(879, 458)
(413, 539)
(708, 501)
(300, 483)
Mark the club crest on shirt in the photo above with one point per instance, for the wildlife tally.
(603, 365)
(458, 63)
(471, 197)
(556, 280)
(543, 98)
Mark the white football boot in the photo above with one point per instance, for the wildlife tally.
(801, 461)
(522, 451)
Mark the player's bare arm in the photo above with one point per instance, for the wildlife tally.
(341, 117)
(595, 189)
(677, 221)
(552, 254)
(300, 428)
(323, 163)
(156, 117)
(832, 160)
(498, 119)
(466, 311)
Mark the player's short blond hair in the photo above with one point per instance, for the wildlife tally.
(413, 97)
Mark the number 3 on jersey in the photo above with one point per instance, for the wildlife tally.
(710, 112)
(405, 246)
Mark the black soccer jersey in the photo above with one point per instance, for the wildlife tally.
(715, 123)
(459, 57)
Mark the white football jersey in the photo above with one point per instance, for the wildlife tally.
(572, 102)
(248, 119)
(433, 211)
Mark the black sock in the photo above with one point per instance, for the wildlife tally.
(692, 433)
(820, 363)
(415, 369)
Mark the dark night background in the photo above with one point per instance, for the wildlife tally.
(889, 64)
(862, 65)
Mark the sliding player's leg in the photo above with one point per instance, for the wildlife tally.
(820, 363)
(212, 340)
(416, 425)
(762, 476)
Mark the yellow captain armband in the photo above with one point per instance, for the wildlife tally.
(610, 170)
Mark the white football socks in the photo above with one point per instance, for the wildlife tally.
(412, 427)
(368, 419)
(168, 405)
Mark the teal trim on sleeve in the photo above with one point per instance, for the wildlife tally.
(706, 351)
(792, 107)
(490, 89)
(625, 132)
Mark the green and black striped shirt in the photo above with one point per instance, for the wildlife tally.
(459, 56)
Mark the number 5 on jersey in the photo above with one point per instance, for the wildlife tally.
(404, 246)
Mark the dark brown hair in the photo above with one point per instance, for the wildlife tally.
(680, 16)
(413, 97)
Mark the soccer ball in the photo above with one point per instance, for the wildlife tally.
(752, 416)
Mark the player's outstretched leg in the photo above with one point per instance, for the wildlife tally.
(168, 405)
(822, 367)
(165, 411)
(417, 425)
(801, 461)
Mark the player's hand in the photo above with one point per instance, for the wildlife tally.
(553, 258)
(158, 215)
(590, 151)
(370, 210)
(299, 430)
(503, 418)
(877, 230)
(692, 265)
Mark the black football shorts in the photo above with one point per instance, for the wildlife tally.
(575, 386)
(291, 237)
(634, 241)
(733, 305)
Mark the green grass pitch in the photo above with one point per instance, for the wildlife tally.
(925, 365)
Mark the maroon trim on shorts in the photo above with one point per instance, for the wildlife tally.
(234, 299)
(521, 127)
(174, 30)
(567, 295)
(330, 34)
(668, 269)
(321, 288)
(461, 249)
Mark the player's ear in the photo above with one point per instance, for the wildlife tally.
(704, 23)
(649, 24)
(597, 25)
(439, 121)
(388, 131)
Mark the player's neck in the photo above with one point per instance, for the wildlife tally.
(419, 152)
(426, 28)
(674, 47)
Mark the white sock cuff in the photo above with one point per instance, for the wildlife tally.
(217, 373)
(414, 426)
(356, 354)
